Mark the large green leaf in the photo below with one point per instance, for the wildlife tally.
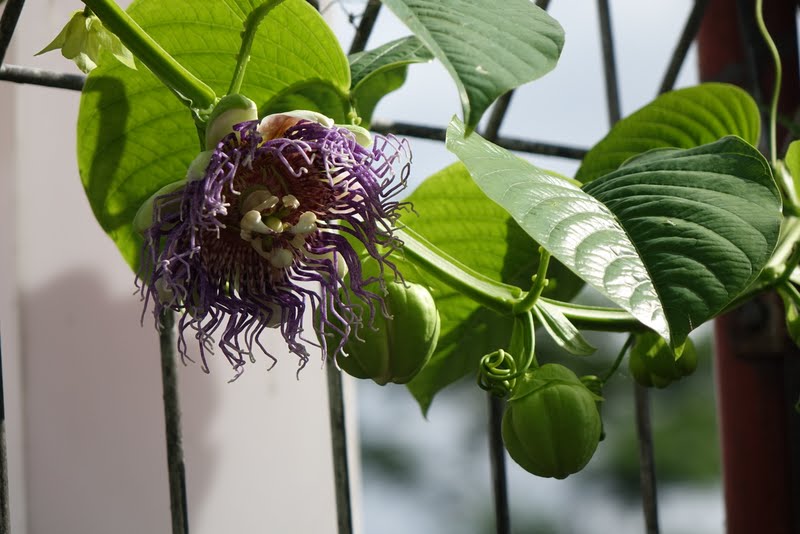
(376, 73)
(457, 218)
(672, 237)
(488, 47)
(685, 118)
(392, 55)
(134, 136)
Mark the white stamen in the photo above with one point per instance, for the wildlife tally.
(259, 200)
(306, 224)
(291, 202)
(251, 222)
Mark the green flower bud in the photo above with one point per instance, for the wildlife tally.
(551, 426)
(144, 216)
(396, 348)
(229, 111)
(82, 40)
(652, 362)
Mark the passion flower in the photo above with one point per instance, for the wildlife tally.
(551, 426)
(258, 232)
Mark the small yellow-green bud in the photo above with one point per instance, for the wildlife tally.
(229, 111)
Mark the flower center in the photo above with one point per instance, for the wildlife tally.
(263, 225)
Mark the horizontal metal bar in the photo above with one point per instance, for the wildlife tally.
(30, 75)
(511, 143)
(60, 80)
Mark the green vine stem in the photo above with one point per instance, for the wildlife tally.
(624, 350)
(539, 283)
(250, 27)
(503, 297)
(189, 89)
(498, 371)
(773, 108)
(483, 290)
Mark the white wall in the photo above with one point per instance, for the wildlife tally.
(257, 451)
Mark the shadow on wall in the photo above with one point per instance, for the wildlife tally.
(93, 413)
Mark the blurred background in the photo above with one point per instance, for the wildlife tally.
(83, 394)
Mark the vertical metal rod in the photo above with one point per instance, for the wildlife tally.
(500, 107)
(496, 117)
(647, 471)
(364, 29)
(682, 48)
(497, 455)
(609, 62)
(5, 516)
(172, 423)
(8, 22)
(341, 473)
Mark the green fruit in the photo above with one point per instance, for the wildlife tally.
(652, 362)
(551, 426)
(395, 349)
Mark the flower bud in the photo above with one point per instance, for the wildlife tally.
(551, 426)
(82, 40)
(652, 362)
(275, 125)
(144, 217)
(229, 111)
(394, 349)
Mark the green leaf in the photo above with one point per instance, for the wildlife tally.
(456, 217)
(672, 238)
(314, 95)
(373, 89)
(398, 53)
(792, 161)
(561, 330)
(685, 118)
(791, 305)
(376, 73)
(487, 47)
(134, 136)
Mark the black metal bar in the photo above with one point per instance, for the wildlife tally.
(751, 36)
(498, 114)
(8, 23)
(647, 471)
(341, 473)
(172, 423)
(5, 515)
(497, 455)
(609, 62)
(365, 26)
(511, 143)
(682, 48)
(46, 78)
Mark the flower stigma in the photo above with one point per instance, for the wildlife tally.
(278, 220)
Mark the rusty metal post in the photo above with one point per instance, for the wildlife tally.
(757, 365)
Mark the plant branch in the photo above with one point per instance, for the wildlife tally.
(248, 35)
(776, 90)
(501, 297)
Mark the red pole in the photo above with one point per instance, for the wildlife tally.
(755, 360)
